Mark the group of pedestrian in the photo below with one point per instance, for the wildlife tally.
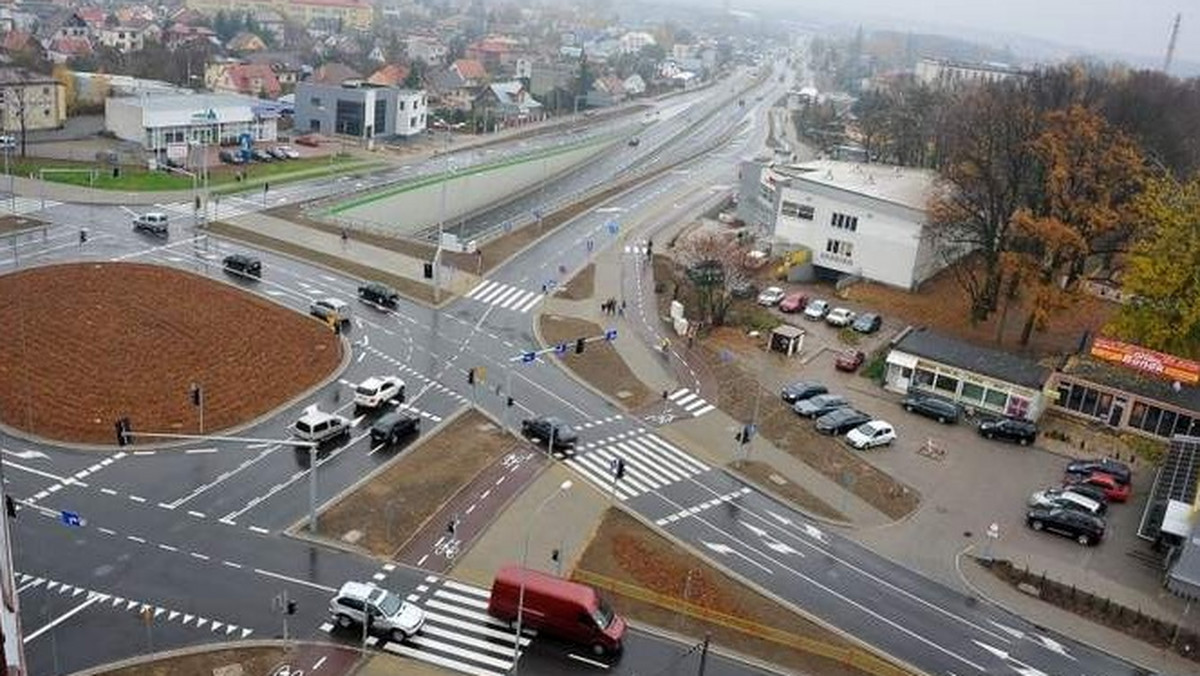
(612, 307)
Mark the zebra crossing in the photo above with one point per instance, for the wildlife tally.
(650, 463)
(410, 371)
(24, 205)
(458, 633)
(505, 296)
(690, 402)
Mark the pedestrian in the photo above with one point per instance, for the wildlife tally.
(590, 245)
(543, 288)
(621, 309)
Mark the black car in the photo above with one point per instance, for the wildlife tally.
(867, 322)
(547, 428)
(815, 407)
(1009, 429)
(840, 421)
(943, 411)
(261, 155)
(743, 290)
(1083, 528)
(1085, 468)
(801, 390)
(231, 157)
(394, 426)
(243, 265)
(380, 294)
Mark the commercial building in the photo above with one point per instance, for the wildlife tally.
(946, 73)
(30, 101)
(169, 124)
(357, 14)
(360, 109)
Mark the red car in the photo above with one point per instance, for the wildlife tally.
(1113, 490)
(793, 302)
(849, 361)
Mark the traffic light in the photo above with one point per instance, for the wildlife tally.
(123, 431)
(471, 376)
(579, 345)
(291, 607)
(10, 507)
(197, 395)
(509, 402)
(428, 273)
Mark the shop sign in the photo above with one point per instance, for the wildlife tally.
(1150, 361)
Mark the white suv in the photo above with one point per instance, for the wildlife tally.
(390, 615)
(154, 222)
(317, 425)
(375, 392)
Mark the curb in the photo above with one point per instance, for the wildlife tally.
(197, 650)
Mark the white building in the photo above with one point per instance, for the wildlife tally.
(170, 123)
(945, 73)
(360, 109)
(866, 220)
(633, 42)
(427, 49)
(412, 107)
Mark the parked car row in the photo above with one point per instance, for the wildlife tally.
(258, 155)
(1077, 508)
(833, 415)
(817, 309)
(947, 412)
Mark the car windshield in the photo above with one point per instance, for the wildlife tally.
(603, 615)
(303, 426)
(367, 389)
(389, 603)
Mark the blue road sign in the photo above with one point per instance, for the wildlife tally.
(613, 227)
(527, 357)
(71, 518)
(610, 334)
(561, 348)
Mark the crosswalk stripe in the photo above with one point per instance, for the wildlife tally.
(508, 291)
(678, 393)
(694, 404)
(486, 284)
(492, 293)
(517, 299)
(423, 641)
(703, 410)
(639, 464)
(597, 463)
(471, 601)
(505, 634)
(467, 640)
(532, 302)
(682, 401)
(409, 651)
(676, 453)
(463, 612)
(658, 461)
(595, 477)
(454, 584)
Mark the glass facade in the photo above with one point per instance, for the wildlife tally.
(1149, 417)
(971, 389)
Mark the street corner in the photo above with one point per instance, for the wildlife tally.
(315, 659)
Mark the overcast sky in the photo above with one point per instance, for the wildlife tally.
(1114, 26)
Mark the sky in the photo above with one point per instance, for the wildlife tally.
(1139, 27)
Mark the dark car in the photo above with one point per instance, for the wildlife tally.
(1083, 528)
(546, 428)
(801, 391)
(1089, 491)
(261, 155)
(1117, 470)
(849, 360)
(380, 294)
(243, 265)
(230, 157)
(839, 421)
(867, 322)
(393, 426)
(1009, 429)
(815, 407)
(743, 290)
(943, 411)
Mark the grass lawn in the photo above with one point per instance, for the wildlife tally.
(222, 177)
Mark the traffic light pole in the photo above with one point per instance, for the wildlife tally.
(10, 609)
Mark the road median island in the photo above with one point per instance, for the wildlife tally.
(582, 286)
(382, 514)
(600, 366)
(773, 481)
(201, 661)
(649, 579)
(10, 224)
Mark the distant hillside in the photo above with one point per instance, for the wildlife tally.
(902, 50)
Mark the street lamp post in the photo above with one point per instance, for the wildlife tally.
(563, 488)
(437, 255)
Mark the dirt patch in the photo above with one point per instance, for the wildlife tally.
(10, 223)
(253, 661)
(767, 476)
(600, 365)
(1102, 611)
(88, 343)
(649, 579)
(392, 506)
(582, 286)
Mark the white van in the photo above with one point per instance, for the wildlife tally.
(154, 222)
(317, 425)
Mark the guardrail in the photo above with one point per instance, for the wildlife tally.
(853, 657)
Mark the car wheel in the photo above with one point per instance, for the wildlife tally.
(908, 408)
(989, 435)
(1037, 525)
(941, 419)
(344, 621)
(1023, 441)
(598, 650)
(1084, 540)
(399, 636)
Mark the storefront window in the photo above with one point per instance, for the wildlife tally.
(1104, 405)
(1184, 424)
(1153, 415)
(1018, 407)
(923, 377)
(1064, 391)
(946, 384)
(1167, 424)
(1137, 414)
(1089, 401)
(1076, 397)
(996, 399)
(972, 392)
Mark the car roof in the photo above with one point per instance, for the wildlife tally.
(316, 415)
(359, 590)
(332, 302)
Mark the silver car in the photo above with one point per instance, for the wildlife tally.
(390, 615)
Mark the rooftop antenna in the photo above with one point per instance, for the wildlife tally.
(1171, 44)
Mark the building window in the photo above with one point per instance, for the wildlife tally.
(946, 384)
(997, 399)
(412, 122)
(314, 125)
(839, 248)
(381, 116)
(316, 101)
(971, 392)
(844, 222)
(401, 105)
(796, 210)
(923, 377)
(1137, 415)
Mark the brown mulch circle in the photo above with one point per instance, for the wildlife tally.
(88, 343)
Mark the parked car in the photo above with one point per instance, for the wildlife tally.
(288, 152)
(261, 155)
(849, 360)
(841, 420)
(1067, 499)
(793, 302)
(310, 140)
(278, 153)
(867, 322)
(393, 426)
(819, 405)
(8, 142)
(1117, 470)
(871, 434)
(330, 308)
(1088, 491)
(945, 412)
(377, 391)
(390, 615)
(801, 390)
(317, 425)
(230, 157)
(816, 309)
(770, 296)
(1114, 490)
(379, 294)
(1083, 528)
(154, 222)
(556, 607)
(839, 317)
(743, 289)
(634, 142)
(546, 428)
(242, 265)
(1009, 429)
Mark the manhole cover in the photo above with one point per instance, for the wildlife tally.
(624, 394)
(353, 536)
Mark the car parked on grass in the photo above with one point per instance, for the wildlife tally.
(1114, 490)
(839, 317)
(849, 360)
(867, 322)
(378, 293)
(242, 265)
(1117, 470)
(819, 405)
(793, 302)
(389, 614)
(871, 434)
(393, 426)
(1022, 432)
(816, 309)
(544, 429)
(278, 153)
(770, 296)
(1083, 528)
(288, 152)
(377, 391)
(840, 421)
(945, 412)
(1068, 499)
(801, 390)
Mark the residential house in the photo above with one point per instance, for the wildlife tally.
(273, 25)
(634, 85)
(606, 91)
(30, 101)
(286, 65)
(426, 49)
(334, 74)
(245, 42)
(130, 37)
(548, 76)
(251, 79)
(135, 14)
(60, 49)
(391, 75)
(178, 34)
(523, 68)
(471, 71)
(493, 52)
(73, 26)
(351, 14)
(633, 42)
(448, 89)
(509, 102)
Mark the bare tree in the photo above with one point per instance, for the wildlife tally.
(716, 263)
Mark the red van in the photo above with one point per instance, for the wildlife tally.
(557, 607)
